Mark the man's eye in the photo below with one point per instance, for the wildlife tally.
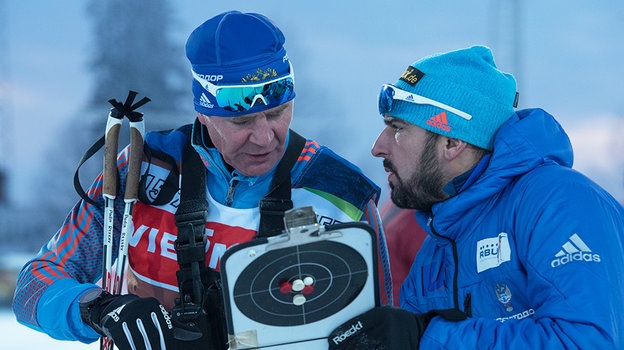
(396, 127)
(240, 121)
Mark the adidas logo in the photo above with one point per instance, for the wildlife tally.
(574, 250)
(205, 102)
(439, 121)
(115, 313)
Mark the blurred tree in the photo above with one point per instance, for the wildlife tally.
(131, 50)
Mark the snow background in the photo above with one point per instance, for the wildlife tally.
(18, 337)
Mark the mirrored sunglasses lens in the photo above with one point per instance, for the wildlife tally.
(243, 98)
(385, 100)
(280, 88)
(232, 99)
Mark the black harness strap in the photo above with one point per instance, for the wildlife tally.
(190, 245)
(190, 218)
(273, 205)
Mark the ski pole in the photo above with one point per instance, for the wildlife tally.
(109, 192)
(137, 134)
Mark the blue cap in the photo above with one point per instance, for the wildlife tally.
(467, 80)
(236, 48)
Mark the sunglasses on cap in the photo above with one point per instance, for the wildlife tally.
(242, 97)
(390, 93)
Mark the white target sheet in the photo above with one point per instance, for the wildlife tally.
(293, 290)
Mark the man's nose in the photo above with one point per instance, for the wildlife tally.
(262, 133)
(380, 147)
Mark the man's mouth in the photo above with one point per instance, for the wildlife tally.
(260, 155)
(388, 167)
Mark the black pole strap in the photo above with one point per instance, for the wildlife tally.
(90, 152)
(127, 108)
(118, 111)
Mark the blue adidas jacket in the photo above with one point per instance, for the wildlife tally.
(530, 249)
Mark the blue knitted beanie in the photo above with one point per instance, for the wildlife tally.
(236, 48)
(467, 80)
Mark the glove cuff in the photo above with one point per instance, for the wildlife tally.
(90, 307)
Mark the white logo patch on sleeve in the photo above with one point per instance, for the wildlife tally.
(574, 250)
(491, 252)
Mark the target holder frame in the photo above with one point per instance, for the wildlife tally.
(247, 333)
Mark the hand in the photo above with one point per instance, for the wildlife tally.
(386, 328)
(130, 321)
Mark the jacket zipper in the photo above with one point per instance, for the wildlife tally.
(230, 193)
(468, 305)
(455, 260)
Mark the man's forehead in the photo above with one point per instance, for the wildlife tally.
(275, 110)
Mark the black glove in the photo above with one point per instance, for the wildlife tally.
(132, 322)
(386, 328)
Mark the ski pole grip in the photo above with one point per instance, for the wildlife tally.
(111, 140)
(137, 131)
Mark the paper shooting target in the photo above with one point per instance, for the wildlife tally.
(338, 271)
(284, 292)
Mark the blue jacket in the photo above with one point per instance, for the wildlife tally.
(530, 249)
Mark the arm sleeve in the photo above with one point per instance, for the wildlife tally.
(571, 244)
(371, 216)
(67, 266)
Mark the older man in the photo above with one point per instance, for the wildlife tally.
(243, 87)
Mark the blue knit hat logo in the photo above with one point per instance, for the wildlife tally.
(238, 49)
(468, 83)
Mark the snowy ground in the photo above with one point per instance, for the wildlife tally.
(18, 337)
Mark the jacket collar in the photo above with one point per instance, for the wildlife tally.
(529, 139)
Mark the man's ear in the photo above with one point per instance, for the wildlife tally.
(202, 118)
(453, 148)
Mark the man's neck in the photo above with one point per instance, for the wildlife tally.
(465, 179)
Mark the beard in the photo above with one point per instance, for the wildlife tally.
(425, 186)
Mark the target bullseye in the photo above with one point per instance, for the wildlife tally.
(298, 285)
(324, 276)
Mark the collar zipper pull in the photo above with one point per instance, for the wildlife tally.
(230, 194)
